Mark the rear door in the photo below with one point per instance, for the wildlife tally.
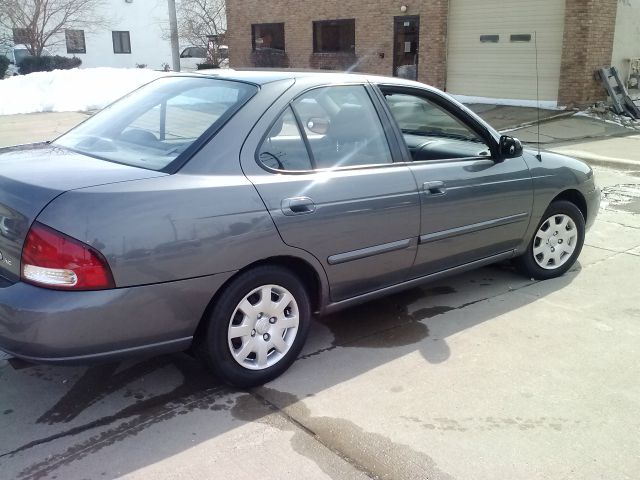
(325, 169)
(473, 207)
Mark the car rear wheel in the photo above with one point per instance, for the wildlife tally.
(556, 244)
(257, 327)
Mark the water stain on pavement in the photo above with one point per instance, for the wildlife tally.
(372, 453)
(383, 323)
(197, 390)
(484, 424)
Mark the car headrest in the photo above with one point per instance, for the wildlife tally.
(276, 129)
(350, 124)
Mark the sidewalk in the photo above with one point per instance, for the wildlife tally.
(619, 152)
(36, 127)
(590, 139)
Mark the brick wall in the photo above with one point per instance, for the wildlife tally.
(587, 46)
(374, 33)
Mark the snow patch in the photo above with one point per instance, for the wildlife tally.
(70, 90)
(547, 105)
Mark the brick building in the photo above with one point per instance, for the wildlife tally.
(468, 47)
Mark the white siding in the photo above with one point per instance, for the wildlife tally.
(504, 69)
(145, 20)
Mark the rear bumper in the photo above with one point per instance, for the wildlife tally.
(51, 326)
(593, 206)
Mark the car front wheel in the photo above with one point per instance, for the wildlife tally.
(257, 327)
(556, 244)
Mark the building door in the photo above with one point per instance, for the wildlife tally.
(406, 34)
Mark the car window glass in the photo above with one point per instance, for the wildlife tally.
(283, 148)
(153, 125)
(198, 52)
(342, 127)
(431, 132)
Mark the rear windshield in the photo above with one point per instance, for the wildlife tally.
(152, 126)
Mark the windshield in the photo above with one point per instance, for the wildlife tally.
(152, 126)
(20, 54)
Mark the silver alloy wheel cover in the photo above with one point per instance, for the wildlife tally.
(263, 327)
(555, 241)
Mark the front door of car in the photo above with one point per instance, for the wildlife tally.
(324, 168)
(473, 207)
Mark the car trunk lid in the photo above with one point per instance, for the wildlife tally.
(31, 176)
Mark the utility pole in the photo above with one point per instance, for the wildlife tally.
(173, 26)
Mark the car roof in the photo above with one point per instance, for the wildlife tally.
(264, 76)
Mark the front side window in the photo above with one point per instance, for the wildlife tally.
(433, 131)
(334, 36)
(267, 36)
(152, 126)
(75, 41)
(121, 42)
(341, 128)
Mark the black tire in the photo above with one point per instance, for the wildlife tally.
(213, 346)
(527, 264)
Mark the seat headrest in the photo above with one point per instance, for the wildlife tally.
(350, 124)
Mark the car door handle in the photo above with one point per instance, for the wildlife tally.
(298, 206)
(434, 188)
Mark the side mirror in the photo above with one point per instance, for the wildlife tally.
(510, 147)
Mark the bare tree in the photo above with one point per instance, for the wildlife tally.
(40, 22)
(200, 19)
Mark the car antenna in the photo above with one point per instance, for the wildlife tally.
(535, 42)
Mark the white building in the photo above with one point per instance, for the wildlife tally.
(135, 35)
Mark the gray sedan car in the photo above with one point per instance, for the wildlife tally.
(219, 213)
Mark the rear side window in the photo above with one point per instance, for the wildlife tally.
(341, 128)
(283, 148)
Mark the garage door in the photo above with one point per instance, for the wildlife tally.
(491, 49)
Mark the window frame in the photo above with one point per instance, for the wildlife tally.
(113, 39)
(66, 41)
(520, 38)
(271, 24)
(18, 38)
(490, 137)
(315, 23)
(395, 150)
(490, 38)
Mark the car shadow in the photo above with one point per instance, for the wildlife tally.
(80, 411)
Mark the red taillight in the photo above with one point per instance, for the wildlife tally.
(55, 260)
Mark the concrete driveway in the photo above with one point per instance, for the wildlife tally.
(482, 376)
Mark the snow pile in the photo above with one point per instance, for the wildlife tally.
(70, 90)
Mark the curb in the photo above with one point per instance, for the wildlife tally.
(599, 160)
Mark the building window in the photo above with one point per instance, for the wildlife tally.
(75, 41)
(121, 42)
(330, 36)
(267, 36)
(21, 36)
(489, 38)
(521, 37)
